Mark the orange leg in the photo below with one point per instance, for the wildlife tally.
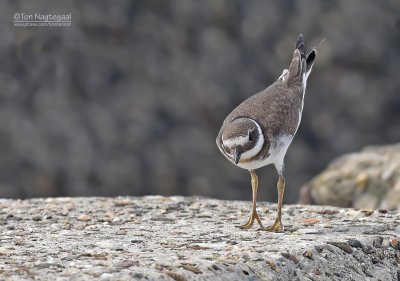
(254, 215)
(278, 226)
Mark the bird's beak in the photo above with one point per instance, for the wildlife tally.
(236, 154)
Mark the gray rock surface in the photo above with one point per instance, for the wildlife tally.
(191, 238)
(366, 179)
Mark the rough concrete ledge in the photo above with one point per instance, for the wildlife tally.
(188, 238)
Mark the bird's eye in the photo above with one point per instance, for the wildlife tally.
(251, 136)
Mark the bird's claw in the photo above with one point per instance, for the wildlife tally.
(277, 226)
(250, 222)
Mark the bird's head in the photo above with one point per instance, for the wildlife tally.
(241, 140)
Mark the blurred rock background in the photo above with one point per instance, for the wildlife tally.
(129, 99)
(366, 179)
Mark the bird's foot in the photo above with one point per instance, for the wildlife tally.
(250, 222)
(277, 226)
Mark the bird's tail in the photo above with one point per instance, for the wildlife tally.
(301, 46)
(311, 57)
(301, 63)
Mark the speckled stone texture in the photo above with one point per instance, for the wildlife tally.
(191, 238)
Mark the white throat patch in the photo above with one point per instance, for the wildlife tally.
(239, 141)
(257, 148)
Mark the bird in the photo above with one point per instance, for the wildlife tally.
(259, 131)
